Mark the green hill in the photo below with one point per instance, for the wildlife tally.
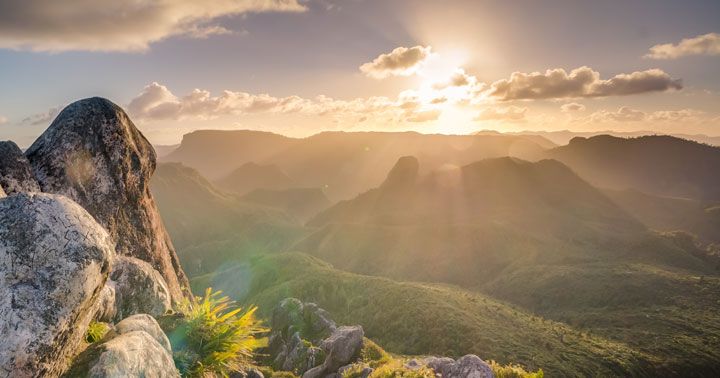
(416, 318)
(251, 176)
(209, 227)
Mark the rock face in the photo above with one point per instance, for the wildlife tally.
(342, 347)
(94, 154)
(468, 366)
(15, 173)
(54, 261)
(138, 288)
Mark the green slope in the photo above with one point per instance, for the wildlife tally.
(417, 318)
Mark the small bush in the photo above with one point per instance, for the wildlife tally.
(216, 338)
(397, 369)
(373, 355)
(513, 371)
(96, 331)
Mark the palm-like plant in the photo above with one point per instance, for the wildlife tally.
(219, 338)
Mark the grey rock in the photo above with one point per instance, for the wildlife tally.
(342, 347)
(468, 366)
(54, 261)
(94, 154)
(139, 289)
(132, 354)
(146, 323)
(15, 173)
(105, 308)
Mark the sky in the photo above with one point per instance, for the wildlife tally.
(300, 67)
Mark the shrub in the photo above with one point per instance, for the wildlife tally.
(513, 371)
(96, 331)
(216, 338)
(397, 369)
(373, 355)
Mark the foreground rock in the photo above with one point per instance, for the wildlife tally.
(54, 260)
(94, 154)
(137, 348)
(342, 347)
(15, 173)
(137, 289)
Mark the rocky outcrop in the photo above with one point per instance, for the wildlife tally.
(403, 174)
(341, 348)
(54, 261)
(468, 366)
(137, 289)
(15, 173)
(307, 342)
(136, 348)
(94, 154)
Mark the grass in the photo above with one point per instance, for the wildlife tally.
(96, 331)
(422, 319)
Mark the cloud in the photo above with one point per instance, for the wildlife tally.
(402, 61)
(572, 107)
(627, 114)
(3, 120)
(580, 82)
(81, 25)
(510, 113)
(707, 44)
(156, 102)
(43, 118)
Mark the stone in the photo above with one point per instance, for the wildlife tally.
(342, 347)
(94, 154)
(468, 366)
(139, 289)
(54, 261)
(15, 173)
(105, 309)
(131, 354)
(146, 323)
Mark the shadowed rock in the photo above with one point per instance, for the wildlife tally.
(54, 260)
(94, 154)
(138, 288)
(15, 173)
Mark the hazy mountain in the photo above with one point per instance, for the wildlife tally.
(299, 202)
(344, 163)
(164, 150)
(563, 137)
(210, 227)
(661, 165)
(251, 176)
(215, 153)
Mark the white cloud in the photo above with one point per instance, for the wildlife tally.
(510, 113)
(707, 44)
(627, 114)
(572, 107)
(43, 118)
(580, 82)
(3, 120)
(80, 25)
(402, 61)
(157, 102)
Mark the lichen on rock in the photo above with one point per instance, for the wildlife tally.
(54, 261)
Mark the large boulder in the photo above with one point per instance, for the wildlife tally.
(15, 173)
(137, 289)
(468, 366)
(54, 261)
(95, 155)
(131, 354)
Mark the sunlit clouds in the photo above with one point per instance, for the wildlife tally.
(79, 25)
(402, 61)
(707, 44)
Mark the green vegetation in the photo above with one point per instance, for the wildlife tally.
(216, 338)
(513, 371)
(96, 331)
(420, 319)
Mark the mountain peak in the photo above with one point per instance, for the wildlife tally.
(403, 173)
